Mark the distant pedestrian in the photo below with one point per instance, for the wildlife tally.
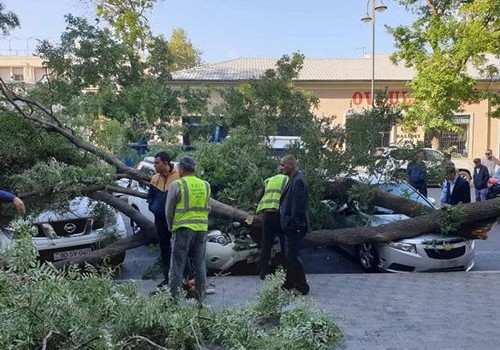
(455, 188)
(187, 208)
(480, 178)
(447, 162)
(269, 207)
(294, 219)
(157, 195)
(490, 161)
(15, 200)
(416, 173)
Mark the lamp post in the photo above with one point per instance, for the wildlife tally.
(367, 19)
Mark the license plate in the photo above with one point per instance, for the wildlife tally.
(71, 253)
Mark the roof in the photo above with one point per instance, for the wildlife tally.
(314, 69)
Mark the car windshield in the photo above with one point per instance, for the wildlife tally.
(406, 191)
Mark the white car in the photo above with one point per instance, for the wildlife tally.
(396, 159)
(425, 253)
(81, 228)
(224, 249)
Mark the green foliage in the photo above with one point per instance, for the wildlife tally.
(127, 17)
(452, 218)
(21, 257)
(447, 38)
(235, 168)
(21, 155)
(365, 129)
(42, 307)
(8, 20)
(184, 53)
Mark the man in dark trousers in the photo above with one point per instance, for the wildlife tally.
(480, 176)
(157, 196)
(269, 207)
(455, 188)
(294, 220)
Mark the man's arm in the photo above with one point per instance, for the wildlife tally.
(16, 201)
(173, 197)
(299, 205)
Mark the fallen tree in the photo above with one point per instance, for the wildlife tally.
(475, 221)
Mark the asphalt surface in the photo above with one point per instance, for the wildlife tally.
(381, 311)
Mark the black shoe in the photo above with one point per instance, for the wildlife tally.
(286, 286)
(304, 290)
(163, 283)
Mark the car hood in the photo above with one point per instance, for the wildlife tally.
(428, 238)
(79, 207)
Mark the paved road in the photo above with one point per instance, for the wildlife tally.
(384, 311)
(414, 311)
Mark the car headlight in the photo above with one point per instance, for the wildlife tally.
(405, 247)
(219, 238)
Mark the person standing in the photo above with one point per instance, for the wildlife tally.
(269, 206)
(157, 196)
(455, 188)
(15, 200)
(186, 210)
(480, 178)
(416, 174)
(294, 221)
(490, 161)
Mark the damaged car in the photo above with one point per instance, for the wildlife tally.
(425, 253)
(81, 227)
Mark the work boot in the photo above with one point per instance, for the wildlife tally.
(162, 283)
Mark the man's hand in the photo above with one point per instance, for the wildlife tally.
(19, 204)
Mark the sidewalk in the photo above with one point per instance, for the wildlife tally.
(444, 311)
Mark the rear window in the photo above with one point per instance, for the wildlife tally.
(406, 191)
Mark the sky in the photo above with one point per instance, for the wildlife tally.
(229, 29)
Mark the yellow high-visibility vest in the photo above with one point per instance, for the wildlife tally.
(274, 187)
(192, 210)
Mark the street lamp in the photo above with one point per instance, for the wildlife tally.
(367, 19)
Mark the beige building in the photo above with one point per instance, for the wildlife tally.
(343, 87)
(27, 69)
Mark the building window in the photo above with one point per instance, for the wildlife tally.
(17, 74)
(456, 142)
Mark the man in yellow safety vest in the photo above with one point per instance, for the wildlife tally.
(269, 206)
(186, 210)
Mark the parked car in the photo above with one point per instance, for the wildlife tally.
(494, 185)
(395, 159)
(84, 226)
(227, 246)
(425, 253)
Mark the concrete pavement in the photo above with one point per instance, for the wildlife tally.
(385, 311)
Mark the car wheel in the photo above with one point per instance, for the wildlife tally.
(465, 175)
(368, 257)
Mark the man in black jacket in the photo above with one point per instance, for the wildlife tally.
(157, 195)
(294, 221)
(455, 188)
(481, 176)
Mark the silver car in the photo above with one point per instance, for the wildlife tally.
(425, 253)
(77, 230)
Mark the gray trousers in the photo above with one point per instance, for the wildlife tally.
(188, 243)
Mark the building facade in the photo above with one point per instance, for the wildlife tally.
(343, 88)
